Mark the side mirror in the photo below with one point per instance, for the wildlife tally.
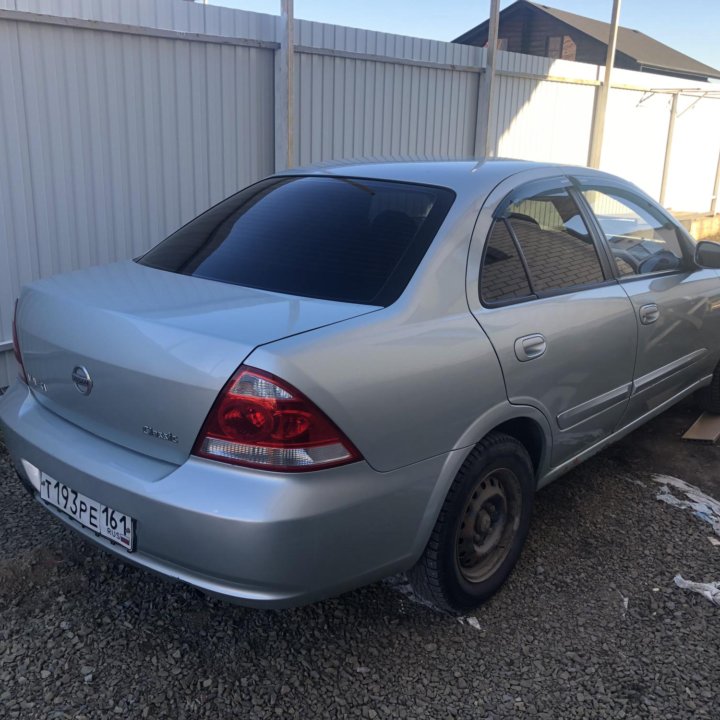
(707, 254)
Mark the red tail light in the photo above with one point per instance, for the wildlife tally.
(260, 421)
(16, 346)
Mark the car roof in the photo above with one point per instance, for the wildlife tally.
(458, 175)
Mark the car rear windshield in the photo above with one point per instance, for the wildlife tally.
(335, 238)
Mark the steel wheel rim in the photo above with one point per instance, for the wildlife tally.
(489, 521)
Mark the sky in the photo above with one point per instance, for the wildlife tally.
(690, 26)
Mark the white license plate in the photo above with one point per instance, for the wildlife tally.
(105, 521)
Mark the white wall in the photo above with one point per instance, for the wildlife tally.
(122, 119)
(550, 120)
(694, 156)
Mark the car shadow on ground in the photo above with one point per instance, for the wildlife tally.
(658, 447)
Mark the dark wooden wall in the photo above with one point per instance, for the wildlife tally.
(527, 31)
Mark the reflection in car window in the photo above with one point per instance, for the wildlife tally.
(335, 238)
(641, 239)
(503, 276)
(555, 241)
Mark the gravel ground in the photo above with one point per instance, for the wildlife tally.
(83, 635)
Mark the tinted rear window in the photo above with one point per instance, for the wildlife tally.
(347, 239)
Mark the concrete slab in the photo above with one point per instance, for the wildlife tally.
(705, 429)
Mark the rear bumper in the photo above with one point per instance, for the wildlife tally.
(257, 538)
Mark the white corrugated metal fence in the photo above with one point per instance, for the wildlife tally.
(122, 119)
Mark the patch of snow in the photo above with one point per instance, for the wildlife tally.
(711, 591)
(625, 602)
(702, 505)
(471, 621)
(634, 481)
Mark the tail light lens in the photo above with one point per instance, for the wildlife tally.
(260, 421)
(16, 346)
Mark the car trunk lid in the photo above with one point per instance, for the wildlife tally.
(137, 355)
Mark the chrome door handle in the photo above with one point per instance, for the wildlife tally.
(649, 314)
(530, 347)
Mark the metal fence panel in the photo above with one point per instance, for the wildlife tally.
(543, 121)
(357, 108)
(111, 141)
(695, 152)
(122, 119)
(638, 133)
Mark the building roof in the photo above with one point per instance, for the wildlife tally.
(645, 50)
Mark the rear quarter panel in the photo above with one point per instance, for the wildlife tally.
(402, 389)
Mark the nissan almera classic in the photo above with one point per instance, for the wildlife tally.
(342, 373)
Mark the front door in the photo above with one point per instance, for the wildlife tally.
(676, 304)
(561, 325)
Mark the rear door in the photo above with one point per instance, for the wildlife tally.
(562, 327)
(676, 304)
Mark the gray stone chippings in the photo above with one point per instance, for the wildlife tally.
(83, 635)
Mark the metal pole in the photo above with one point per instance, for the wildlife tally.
(598, 132)
(484, 142)
(285, 96)
(716, 189)
(668, 146)
(493, 29)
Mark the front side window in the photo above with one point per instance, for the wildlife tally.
(335, 238)
(641, 239)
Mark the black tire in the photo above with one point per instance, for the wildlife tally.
(497, 483)
(709, 397)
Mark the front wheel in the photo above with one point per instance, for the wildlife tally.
(481, 528)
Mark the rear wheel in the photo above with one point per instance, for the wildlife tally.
(709, 397)
(481, 528)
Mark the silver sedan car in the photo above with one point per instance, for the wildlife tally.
(345, 372)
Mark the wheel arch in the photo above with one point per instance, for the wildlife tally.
(529, 434)
(439, 575)
(523, 422)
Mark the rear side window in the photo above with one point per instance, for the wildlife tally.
(641, 239)
(546, 246)
(347, 239)
(504, 277)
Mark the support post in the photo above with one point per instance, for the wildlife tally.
(285, 90)
(668, 146)
(598, 132)
(716, 189)
(484, 142)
